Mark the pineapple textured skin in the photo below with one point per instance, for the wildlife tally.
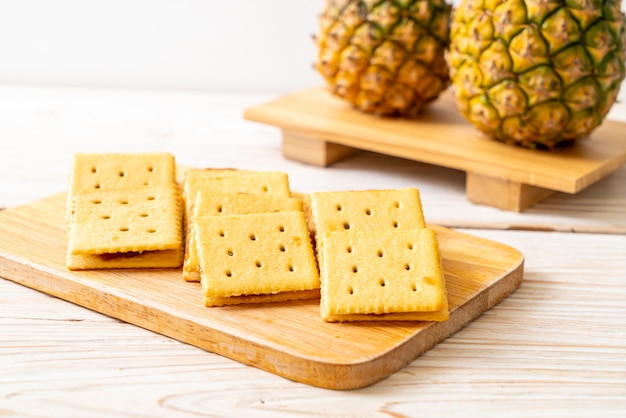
(385, 57)
(537, 73)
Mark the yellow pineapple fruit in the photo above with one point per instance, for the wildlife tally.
(384, 57)
(537, 73)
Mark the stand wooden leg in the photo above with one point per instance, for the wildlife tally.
(314, 151)
(503, 194)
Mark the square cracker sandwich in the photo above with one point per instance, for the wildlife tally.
(124, 211)
(247, 238)
(259, 257)
(377, 259)
(211, 183)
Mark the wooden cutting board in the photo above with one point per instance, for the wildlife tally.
(320, 129)
(288, 339)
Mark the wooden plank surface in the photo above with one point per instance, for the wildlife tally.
(441, 136)
(42, 127)
(288, 339)
(554, 348)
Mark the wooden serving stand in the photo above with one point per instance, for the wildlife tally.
(320, 129)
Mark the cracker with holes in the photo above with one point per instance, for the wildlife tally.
(222, 182)
(366, 209)
(209, 203)
(382, 275)
(112, 171)
(264, 257)
(126, 228)
(232, 181)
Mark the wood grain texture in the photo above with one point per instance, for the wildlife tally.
(503, 194)
(204, 129)
(314, 151)
(441, 136)
(554, 348)
(288, 339)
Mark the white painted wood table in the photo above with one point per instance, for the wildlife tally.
(555, 347)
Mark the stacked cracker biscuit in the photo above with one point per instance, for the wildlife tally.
(247, 238)
(124, 211)
(368, 255)
(377, 259)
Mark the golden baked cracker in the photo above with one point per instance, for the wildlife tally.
(232, 181)
(121, 171)
(278, 297)
(195, 177)
(255, 254)
(366, 209)
(109, 171)
(126, 227)
(209, 203)
(223, 181)
(388, 274)
(147, 259)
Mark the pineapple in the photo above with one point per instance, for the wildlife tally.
(537, 73)
(385, 57)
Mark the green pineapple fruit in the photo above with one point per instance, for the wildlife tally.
(385, 57)
(537, 73)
